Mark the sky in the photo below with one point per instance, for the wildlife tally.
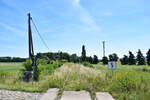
(66, 25)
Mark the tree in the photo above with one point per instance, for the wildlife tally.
(140, 58)
(113, 57)
(74, 58)
(12, 59)
(83, 54)
(124, 60)
(89, 59)
(105, 60)
(131, 60)
(148, 57)
(95, 59)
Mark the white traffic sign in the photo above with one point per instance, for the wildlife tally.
(112, 65)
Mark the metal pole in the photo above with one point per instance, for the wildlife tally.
(103, 48)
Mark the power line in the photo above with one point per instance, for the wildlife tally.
(40, 35)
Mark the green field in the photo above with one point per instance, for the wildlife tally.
(125, 83)
(10, 66)
(10, 78)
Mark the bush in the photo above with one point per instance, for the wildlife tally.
(125, 82)
(30, 71)
(49, 68)
(87, 64)
(46, 69)
(27, 65)
(41, 62)
(57, 63)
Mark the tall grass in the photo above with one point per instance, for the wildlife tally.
(11, 77)
(125, 83)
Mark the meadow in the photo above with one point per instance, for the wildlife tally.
(127, 82)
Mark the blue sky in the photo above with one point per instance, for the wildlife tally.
(68, 24)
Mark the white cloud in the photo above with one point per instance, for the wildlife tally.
(12, 29)
(76, 2)
(10, 3)
(85, 16)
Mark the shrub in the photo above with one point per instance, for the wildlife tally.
(87, 64)
(46, 69)
(57, 63)
(41, 62)
(30, 71)
(27, 65)
(50, 67)
(125, 82)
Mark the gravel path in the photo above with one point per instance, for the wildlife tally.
(17, 95)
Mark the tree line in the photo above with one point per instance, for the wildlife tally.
(12, 59)
(70, 58)
(139, 59)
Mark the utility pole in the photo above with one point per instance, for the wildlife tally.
(103, 48)
(30, 41)
(33, 71)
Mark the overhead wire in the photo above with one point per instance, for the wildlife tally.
(40, 34)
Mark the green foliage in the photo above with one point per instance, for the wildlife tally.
(36, 73)
(124, 60)
(95, 59)
(105, 60)
(140, 58)
(89, 59)
(74, 58)
(46, 69)
(57, 63)
(148, 57)
(87, 64)
(83, 54)
(12, 59)
(113, 57)
(125, 83)
(54, 56)
(41, 62)
(76, 77)
(132, 60)
(11, 78)
(27, 65)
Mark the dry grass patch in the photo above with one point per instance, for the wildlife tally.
(77, 77)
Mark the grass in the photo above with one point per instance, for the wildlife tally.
(125, 83)
(11, 77)
(10, 66)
